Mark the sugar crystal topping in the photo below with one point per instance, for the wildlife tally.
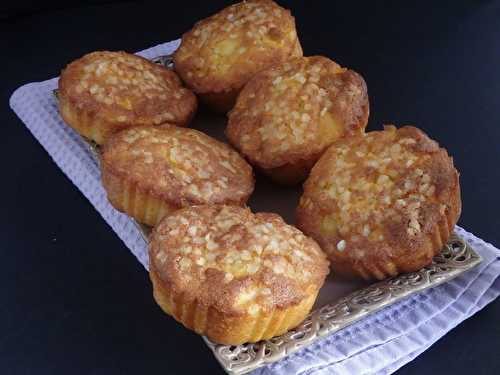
(129, 84)
(245, 248)
(221, 44)
(296, 106)
(376, 179)
(181, 161)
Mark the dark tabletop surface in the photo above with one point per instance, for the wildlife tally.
(76, 301)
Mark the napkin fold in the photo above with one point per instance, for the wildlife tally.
(378, 344)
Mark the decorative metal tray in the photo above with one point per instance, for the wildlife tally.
(456, 258)
(337, 306)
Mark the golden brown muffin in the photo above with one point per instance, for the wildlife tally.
(148, 172)
(232, 275)
(382, 203)
(287, 115)
(104, 92)
(222, 52)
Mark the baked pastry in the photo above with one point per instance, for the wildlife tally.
(222, 52)
(148, 172)
(104, 92)
(382, 203)
(232, 275)
(287, 115)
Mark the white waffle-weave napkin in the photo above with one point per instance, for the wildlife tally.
(378, 344)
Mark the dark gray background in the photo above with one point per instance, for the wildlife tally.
(76, 301)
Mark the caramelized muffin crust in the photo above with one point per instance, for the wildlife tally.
(289, 114)
(222, 52)
(382, 203)
(239, 264)
(104, 92)
(178, 166)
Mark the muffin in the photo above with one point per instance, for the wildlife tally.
(287, 115)
(104, 92)
(381, 204)
(222, 52)
(232, 275)
(149, 172)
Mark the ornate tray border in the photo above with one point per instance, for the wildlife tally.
(456, 257)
